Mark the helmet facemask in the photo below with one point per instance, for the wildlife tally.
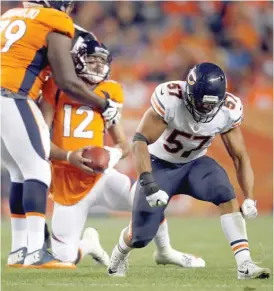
(93, 68)
(205, 110)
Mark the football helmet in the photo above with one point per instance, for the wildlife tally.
(205, 91)
(59, 5)
(92, 59)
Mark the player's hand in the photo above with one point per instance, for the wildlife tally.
(115, 155)
(154, 196)
(249, 209)
(111, 113)
(76, 158)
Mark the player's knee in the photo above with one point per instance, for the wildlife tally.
(139, 242)
(41, 173)
(223, 194)
(67, 253)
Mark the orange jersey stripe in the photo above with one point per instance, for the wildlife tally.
(157, 107)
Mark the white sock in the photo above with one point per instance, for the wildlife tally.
(122, 246)
(161, 238)
(35, 230)
(234, 228)
(19, 233)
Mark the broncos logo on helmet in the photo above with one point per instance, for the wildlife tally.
(205, 91)
(59, 5)
(92, 59)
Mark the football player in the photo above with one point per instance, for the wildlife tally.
(34, 40)
(170, 148)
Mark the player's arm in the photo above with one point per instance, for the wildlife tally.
(235, 146)
(119, 139)
(149, 130)
(59, 56)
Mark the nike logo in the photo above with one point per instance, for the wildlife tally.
(17, 257)
(33, 258)
(244, 272)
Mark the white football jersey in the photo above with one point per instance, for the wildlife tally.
(185, 139)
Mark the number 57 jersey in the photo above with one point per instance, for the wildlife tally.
(185, 139)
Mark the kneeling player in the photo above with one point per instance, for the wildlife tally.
(184, 119)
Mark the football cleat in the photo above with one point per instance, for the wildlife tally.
(42, 259)
(174, 257)
(248, 270)
(16, 258)
(91, 239)
(118, 265)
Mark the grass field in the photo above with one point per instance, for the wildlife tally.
(201, 236)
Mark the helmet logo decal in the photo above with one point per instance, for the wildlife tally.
(191, 78)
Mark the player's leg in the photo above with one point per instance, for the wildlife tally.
(29, 148)
(18, 218)
(117, 189)
(67, 225)
(90, 242)
(143, 227)
(208, 181)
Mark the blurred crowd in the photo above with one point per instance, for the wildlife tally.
(154, 41)
(158, 41)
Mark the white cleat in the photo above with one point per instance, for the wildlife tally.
(118, 265)
(91, 239)
(248, 270)
(174, 257)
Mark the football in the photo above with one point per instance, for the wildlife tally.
(99, 158)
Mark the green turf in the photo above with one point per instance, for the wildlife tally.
(201, 236)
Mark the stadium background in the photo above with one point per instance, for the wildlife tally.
(154, 42)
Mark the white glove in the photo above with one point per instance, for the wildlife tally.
(115, 155)
(158, 199)
(112, 114)
(249, 209)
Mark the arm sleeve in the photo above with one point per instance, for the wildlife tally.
(235, 114)
(158, 100)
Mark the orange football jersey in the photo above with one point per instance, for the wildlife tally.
(24, 31)
(75, 126)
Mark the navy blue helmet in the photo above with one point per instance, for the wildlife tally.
(59, 5)
(205, 91)
(92, 59)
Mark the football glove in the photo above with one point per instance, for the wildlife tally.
(111, 114)
(249, 209)
(115, 155)
(154, 196)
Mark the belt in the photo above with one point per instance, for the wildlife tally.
(9, 94)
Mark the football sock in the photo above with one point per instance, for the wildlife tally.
(161, 238)
(18, 217)
(234, 228)
(122, 246)
(34, 202)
